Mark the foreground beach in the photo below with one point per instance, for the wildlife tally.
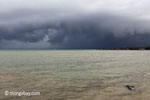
(75, 74)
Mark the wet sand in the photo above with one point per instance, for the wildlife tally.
(75, 74)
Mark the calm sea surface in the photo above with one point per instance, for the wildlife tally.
(75, 74)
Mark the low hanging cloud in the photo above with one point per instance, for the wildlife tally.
(73, 24)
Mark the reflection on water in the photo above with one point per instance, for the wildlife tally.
(75, 74)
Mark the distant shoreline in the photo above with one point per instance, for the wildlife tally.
(121, 48)
(127, 48)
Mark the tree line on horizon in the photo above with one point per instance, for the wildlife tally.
(127, 48)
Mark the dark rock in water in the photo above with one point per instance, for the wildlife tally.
(130, 87)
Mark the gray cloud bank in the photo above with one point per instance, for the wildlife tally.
(81, 25)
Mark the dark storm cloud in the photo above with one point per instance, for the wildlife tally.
(73, 24)
(26, 34)
(100, 31)
(84, 32)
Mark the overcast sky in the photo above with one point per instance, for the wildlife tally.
(77, 24)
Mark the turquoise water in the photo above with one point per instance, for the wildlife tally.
(75, 74)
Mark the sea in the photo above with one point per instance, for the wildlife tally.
(74, 74)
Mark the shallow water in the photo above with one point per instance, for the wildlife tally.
(75, 74)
